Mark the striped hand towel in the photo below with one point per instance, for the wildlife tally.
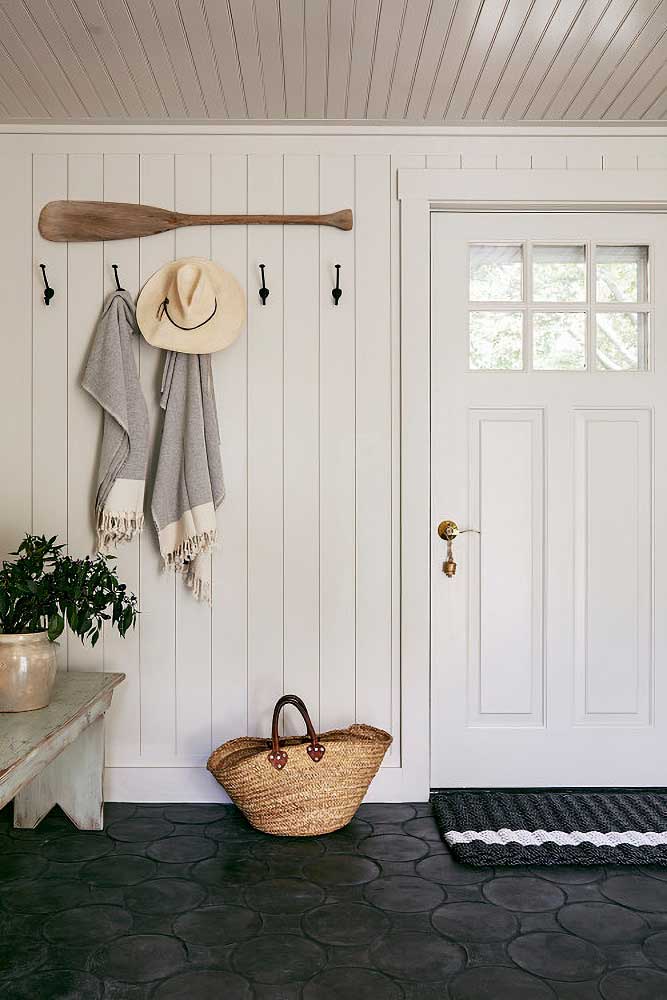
(111, 379)
(189, 486)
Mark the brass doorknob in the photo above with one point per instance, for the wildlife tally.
(449, 530)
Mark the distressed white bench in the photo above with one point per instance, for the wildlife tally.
(55, 755)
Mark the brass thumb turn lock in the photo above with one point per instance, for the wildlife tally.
(448, 531)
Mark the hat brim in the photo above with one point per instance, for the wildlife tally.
(219, 332)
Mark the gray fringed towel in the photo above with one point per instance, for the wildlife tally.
(189, 486)
(111, 379)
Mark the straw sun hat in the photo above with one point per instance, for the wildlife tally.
(191, 305)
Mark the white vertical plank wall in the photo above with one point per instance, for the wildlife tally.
(265, 446)
(337, 453)
(157, 624)
(301, 442)
(123, 734)
(229, 628)
(307, 577)
(15, 372)
(85, 294)
(192, 186)
(49, 367)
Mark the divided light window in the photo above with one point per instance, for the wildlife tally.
(558, 307)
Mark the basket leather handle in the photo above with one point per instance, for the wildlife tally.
(278, 758)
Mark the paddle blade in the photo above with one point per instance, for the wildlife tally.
(87, 221)
(341, 220)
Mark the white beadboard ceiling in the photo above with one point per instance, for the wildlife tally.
(407, 61)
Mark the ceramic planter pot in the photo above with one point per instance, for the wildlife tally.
(27, 671)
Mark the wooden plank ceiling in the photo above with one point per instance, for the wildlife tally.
(376, 60)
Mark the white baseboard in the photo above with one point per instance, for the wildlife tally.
(195, 784)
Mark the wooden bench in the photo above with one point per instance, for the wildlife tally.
(55, 755)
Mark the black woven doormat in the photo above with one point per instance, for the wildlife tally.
(564, 826)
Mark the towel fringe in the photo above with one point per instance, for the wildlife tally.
(181, 557)
(117, 526)
(201, 589)
(181, 560)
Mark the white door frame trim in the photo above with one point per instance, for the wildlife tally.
(421, 191)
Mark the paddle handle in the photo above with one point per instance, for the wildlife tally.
(339, 220)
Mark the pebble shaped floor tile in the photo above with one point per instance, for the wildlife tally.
(188, 901)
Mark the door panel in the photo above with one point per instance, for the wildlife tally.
(548, 430)
(612, 588)
(507, 505)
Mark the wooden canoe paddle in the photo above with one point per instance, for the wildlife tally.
(87, 221)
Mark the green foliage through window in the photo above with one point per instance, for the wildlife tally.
(544, 309)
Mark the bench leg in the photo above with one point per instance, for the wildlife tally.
(73, 781)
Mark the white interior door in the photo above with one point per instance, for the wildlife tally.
(549, 436)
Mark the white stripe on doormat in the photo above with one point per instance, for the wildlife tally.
(537, 837)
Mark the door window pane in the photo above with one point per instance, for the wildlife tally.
(496, 340)
(559, 341)
(559, 274)
(496, 273)
(621, 274)
(620, 340)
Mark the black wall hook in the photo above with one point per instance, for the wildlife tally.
(263, 292)
(337, 291)
(119, 287)
(48, 291)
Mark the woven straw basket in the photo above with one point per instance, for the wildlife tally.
(300, 786)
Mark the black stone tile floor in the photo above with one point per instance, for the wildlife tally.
(188, 902)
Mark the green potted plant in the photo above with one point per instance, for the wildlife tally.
(41, 590)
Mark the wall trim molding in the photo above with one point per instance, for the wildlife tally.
(577, 190)
(332, 128)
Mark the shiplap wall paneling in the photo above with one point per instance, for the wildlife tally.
(337, 453)
(193, 618)
(265, 447)
(157, 623)
(16, 370)
(301, 525)
(374, 691)
(85, 281)
(123, 734)
(49, 367)
(229, 639)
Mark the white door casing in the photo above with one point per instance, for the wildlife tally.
(543, 644)
(420, 192)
